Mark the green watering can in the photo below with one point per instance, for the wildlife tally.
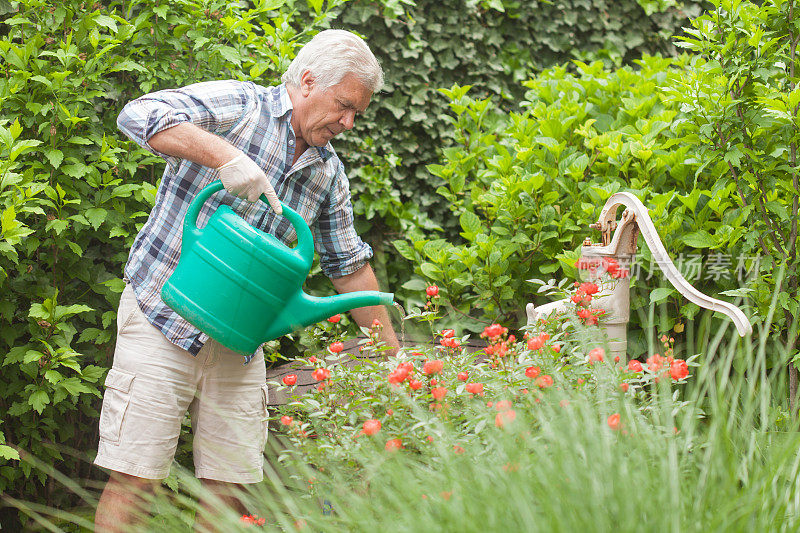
(243, 287)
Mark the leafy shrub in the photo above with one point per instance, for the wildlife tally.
(416, 399)
(707, 142)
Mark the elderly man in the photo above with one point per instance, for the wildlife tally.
(270, 140)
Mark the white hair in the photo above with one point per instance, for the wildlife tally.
(332, 54)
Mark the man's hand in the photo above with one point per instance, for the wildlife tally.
(242, 177)
(363, 279)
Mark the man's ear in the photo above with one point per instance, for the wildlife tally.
(306, 83)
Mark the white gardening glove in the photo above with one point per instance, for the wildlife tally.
(242, 177)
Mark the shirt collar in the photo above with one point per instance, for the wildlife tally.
(282, 106)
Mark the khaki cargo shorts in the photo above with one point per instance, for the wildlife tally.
(151, 386)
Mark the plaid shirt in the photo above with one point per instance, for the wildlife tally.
(256, 120)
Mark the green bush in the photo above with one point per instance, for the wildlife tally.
(707, 142)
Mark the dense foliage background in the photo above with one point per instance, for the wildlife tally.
(479, 170)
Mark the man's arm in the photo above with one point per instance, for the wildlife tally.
(364, 279)
(195, 144)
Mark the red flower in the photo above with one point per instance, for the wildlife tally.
(286, 420)
(534, 343)
(556, 348)
(463, 376)
(289, 379)
(336, 347)
(616, 359)
(504, 417)
(611, 265)
(589, 288)
(624, 387)
(376, 323)
(678, 369)
(414, 384)
(635, 366)
(439, 392)
(448, 333)
(655, 362)
(458, 449)
(450, 342)
(494, 331)
(433, 366)
(321, 374)
(335, 318)
(394, 444)
(613, 421)
(398, 376)
(312, 359)
(475, 388)
(253, 519)
(371, 427)
(407, 366)
(544, 381)
(532, 372)
(597, 355)
(502, 405)
(432, 291)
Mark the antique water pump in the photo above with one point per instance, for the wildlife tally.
(619, 240)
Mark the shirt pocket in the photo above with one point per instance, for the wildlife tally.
(116, 399)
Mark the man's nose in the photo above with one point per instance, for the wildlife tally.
(348, 119)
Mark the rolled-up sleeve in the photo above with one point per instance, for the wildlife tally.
(341, 250)
(215, 106)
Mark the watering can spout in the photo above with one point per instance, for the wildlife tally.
(305, 309)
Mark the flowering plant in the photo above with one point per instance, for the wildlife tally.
(444, 390)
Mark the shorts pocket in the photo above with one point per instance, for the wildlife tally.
(115, 403)
(128, 306)
(264, 413)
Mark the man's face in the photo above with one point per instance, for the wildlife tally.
(320, 114)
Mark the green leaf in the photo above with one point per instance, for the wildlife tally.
(75, 139)
(55, 156)
(470, 222)
(96, 216)
(230, 55)
(15, 129)
(8, 453)
(316, 5)
(31, 356)
(161, 11)
(661, 293)
(38, 400)
(699, 239)
(74, 386)
(108, 22)
(415, 284)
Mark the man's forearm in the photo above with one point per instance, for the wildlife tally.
(364, 280)
(191, 142)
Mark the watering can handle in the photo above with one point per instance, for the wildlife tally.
(305, 241)
(648, 231)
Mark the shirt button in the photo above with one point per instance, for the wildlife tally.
(291, 142)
